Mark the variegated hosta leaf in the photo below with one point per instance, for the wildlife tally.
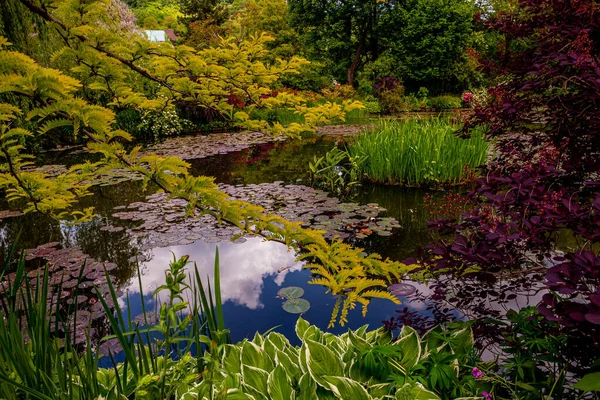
(346, 388)
(410, 343)
(321, 361)
(279, 386)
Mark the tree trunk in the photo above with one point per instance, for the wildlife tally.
(353, 67)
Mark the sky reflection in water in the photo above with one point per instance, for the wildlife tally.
(249, 284)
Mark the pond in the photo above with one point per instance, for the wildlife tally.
(135, 225)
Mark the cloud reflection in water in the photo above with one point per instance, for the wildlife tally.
(244, 266)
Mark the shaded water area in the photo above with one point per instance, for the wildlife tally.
(135, 225)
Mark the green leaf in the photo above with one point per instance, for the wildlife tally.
(525, 386)
(291, 292)
(346, 388)
(589, 382)
(296, 306)
(256, 378)
(313, 333)
(411, 348)
(302, 358)
(359, 343)
(237, 394)
(415, 391)
(291, 368)
(380, 390)
(278, 385)
(308, 388)
(462, 340)
(231, 359)
(301, 327)
(252, 355)
(321, 362)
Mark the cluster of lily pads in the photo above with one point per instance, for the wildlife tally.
(199, 146)
(342, 131)
(294, 303)
(72, 276)
(163, 223)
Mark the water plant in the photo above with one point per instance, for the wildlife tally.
(37, 362)
(293, 303)
(417, 152)
(336, 172)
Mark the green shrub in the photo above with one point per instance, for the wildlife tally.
(392, 101)
(372, 107)
(284, 116)
(417, 152)
(445, 102)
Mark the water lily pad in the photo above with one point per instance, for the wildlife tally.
(291, 292)
(401, 289)
(296, 306)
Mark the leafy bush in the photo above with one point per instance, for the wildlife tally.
(390, 93)
(445, 102)
(372, 107)
(355, 365)
(417, 152)
(392, 101)
(165, 123)
(339, 92)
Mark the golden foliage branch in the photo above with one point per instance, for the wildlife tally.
(110, 61)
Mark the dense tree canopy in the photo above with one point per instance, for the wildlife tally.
(423, 42)
(339, 32)
(427, 39)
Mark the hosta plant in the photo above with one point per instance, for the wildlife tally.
(357, 365)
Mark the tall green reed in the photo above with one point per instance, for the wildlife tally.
(417, 152)
(34, 363)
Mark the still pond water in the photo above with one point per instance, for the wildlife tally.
(252, 271)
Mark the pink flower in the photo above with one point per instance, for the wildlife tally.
(487, 396)
(467, 97)
(477, 373)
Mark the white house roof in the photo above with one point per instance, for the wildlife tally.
(156, 36)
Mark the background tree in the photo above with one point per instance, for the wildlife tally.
(202, 10)
(340, 34)
(427, 40)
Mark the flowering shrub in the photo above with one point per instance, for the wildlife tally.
(466, 98)
(165, 123)
(119, 19)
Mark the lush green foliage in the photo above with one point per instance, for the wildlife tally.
(422, 42)
(158, 363)
(445, 102)
(59, 108)
(336, 172)
(427, 41)
(417, 152)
